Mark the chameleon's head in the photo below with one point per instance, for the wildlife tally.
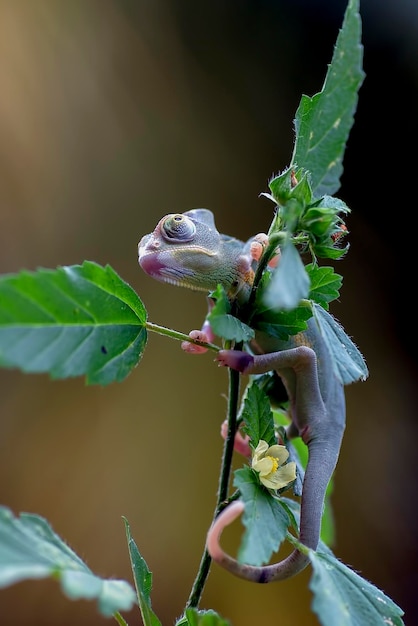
(186, 249)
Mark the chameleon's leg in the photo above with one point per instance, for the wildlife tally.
(205, 334)
(297, 367)
(241, 442)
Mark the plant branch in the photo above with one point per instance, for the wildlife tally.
(175, 334)
(225, 473)
(118, 617)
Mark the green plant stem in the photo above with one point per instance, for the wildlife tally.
(225, 473)
(175, 334)
(118, 617)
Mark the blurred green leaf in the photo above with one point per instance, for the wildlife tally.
(81, 319)
(324, 121)
(143, 580)
(193, 617)
(289, 283)
(264, 518)
(30, 549)
(343, 597)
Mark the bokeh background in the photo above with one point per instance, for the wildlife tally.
(115, 112)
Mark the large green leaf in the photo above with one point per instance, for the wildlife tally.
(324, 121)
(143, 581)
(343, 597)
(264, 518)
(30, 549)
(348, 363)
(81, 319)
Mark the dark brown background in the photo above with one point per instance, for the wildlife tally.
(113, 113)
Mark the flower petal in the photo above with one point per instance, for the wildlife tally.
(281, 477)
(285, 475)
(260, 450)
(263, 466)
(278, 452)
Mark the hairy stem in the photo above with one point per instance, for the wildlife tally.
(175, 334)
(225, 473)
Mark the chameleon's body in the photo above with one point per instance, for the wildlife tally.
(186, 249)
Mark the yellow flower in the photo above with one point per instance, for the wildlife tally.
(268, 462)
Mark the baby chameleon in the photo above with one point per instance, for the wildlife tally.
(187, 250)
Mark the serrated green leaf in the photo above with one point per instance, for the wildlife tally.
(325, 284)
(330, 252)
(258, 416)
(343, 597)
(289, 283)
(283, 324)
(30, 549)
(72, 321)
(193, 617)
(264, 518)
(347, 360)
(324, 121)
(143, 580)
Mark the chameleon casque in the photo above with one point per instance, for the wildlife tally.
(187, 250)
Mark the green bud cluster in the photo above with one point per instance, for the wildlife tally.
(317, 224)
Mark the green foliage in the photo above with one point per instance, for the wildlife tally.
(85, 320)
(323, 122)
(325, 284)
(343, 597)
(264, 518)
(71, 321)
(289, 283)
(143, 580)
(348, 363)
(258, 417)
(306, 213)
(278, 323)
(202, 618)
(29, 549)
(223, 323)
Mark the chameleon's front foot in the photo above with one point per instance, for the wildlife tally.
(205, 335)
(241, 442)
(235, 359)
(192, 348)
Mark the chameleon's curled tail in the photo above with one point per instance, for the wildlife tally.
(318, 473)
(290, 566)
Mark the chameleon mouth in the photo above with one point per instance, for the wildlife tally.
(152, 265)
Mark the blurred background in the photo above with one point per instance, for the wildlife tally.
(115, 112)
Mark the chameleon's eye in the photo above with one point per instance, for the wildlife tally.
(178, 227)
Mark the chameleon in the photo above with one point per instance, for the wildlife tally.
(186, 249)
